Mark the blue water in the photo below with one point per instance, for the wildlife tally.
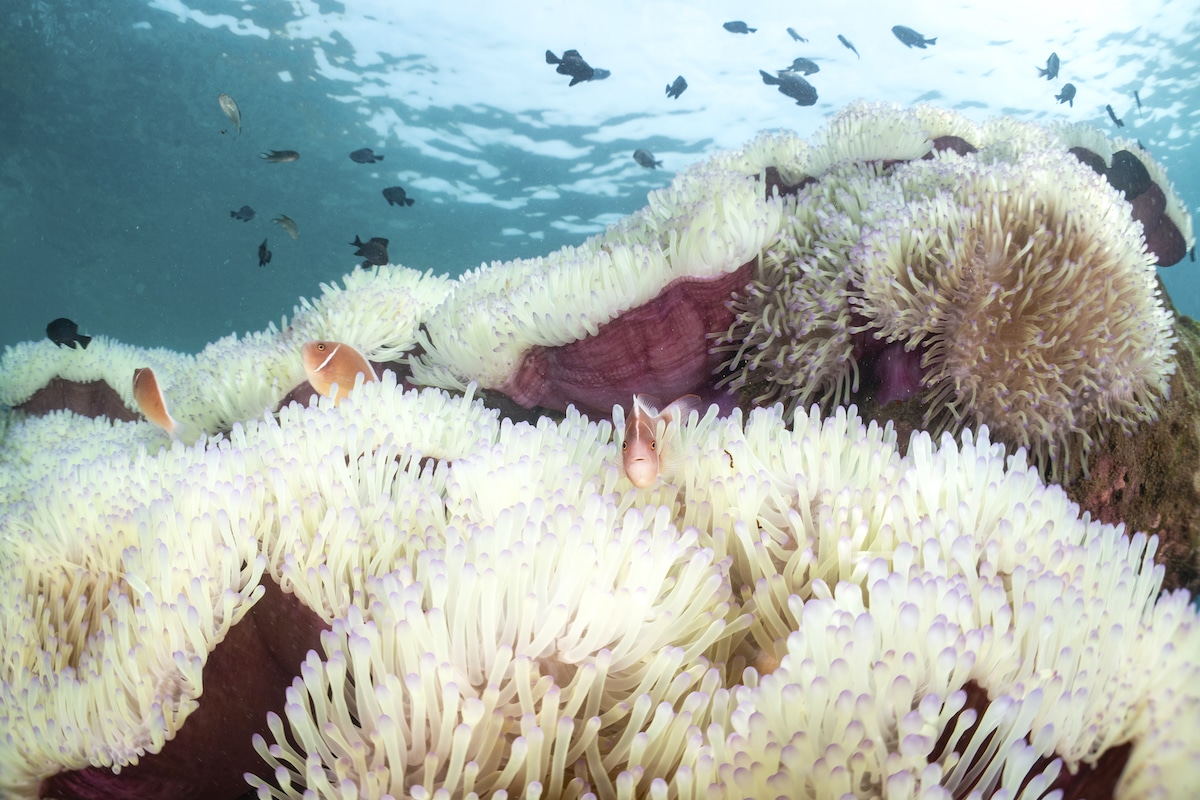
(118, 170)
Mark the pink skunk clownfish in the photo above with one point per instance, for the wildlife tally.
(643, 455)
(150, 400)
(332, 363)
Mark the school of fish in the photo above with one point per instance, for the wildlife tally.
(791, 81)
(394, 195)
(648, 444)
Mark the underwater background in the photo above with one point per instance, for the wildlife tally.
(120, 173)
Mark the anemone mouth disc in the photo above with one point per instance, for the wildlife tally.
(87, 398)
(661, 347)
(244, 678)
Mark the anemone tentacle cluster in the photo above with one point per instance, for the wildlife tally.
(993, 273)
(1011, 332)
(234, 379)
(503, 611)
(778, 272)
(584, 326)
(405, 593)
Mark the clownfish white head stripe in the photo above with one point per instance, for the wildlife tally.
(645, 452)
(150, 401)
(330, 364)
(324, 364)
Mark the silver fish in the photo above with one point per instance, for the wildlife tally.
(288, 224)
(230, 107)
(279, 156)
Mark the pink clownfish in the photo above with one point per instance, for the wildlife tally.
(150, 401)
(330, 363)
(643, 456)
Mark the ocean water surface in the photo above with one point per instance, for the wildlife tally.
(119, 171)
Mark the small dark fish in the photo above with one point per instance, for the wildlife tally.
(1113, 116)
(1095, 161)
(793, 86)
(264, 255)
(1192, 254)
(374, 251)
(1067, 96)
(1139, 100)
(245, 214)
(911, 38)
(737, 26)
(365, 156)
(1128, 175)
(63, 331)
(1051, 70)
(795, 36)
(645, 158)
(805, 66)
(675, 89)
(279, 156)
(573, 64)
(396, 197)
(846, 42)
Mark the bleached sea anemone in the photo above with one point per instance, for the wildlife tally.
(909, 635)
(1027, 291)
(939, 628)
(792, 336)
(116, 587)
(537, 640)
(869, 132)
(1166, 223)
(235, 378)
(742, 282)
(506, 611)
(993, 279)
(628, 312)
(403, 594)
(97, 381)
